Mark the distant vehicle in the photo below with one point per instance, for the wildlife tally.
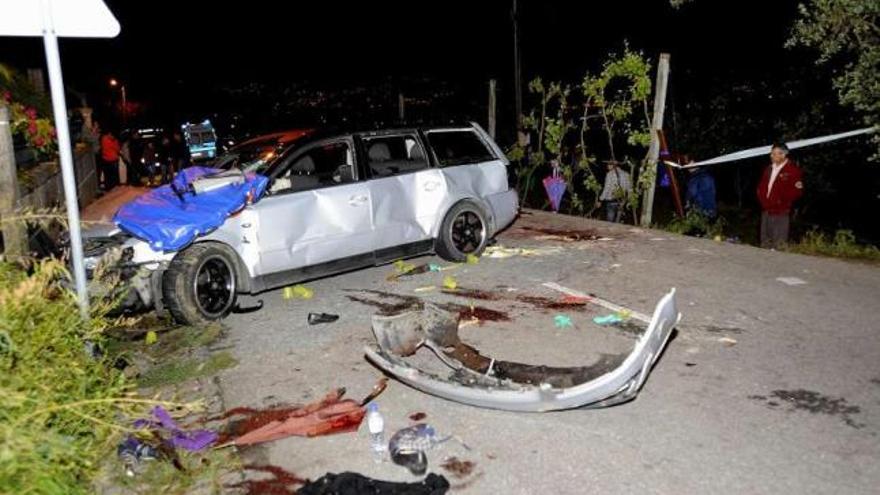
(152, 152)
(255, 152)
(201, 140)
(327, 203)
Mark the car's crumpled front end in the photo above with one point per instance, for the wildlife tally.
(122, 267)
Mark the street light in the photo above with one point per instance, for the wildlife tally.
(113, 84)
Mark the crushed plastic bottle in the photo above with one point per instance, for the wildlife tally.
(376, 425)
(132, 452)
(408, 446)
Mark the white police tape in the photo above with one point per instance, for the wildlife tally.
(764, 150)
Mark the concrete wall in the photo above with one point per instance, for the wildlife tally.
(45, 189)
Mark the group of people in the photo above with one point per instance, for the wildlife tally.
(780, 186)
(133, 160)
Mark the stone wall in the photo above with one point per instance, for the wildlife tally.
(42, 187)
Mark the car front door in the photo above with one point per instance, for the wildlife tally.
(316, 216)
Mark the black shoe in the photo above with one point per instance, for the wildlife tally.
(315, 318)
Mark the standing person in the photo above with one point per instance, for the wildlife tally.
(91, 135)
(701, 192)
(780, 186)
(151, 162)
(618, 186)
(125, 172)
(136, 166)
(178, 153)
(110, 159)
(164, 151)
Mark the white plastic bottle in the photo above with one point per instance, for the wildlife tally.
(376, 425)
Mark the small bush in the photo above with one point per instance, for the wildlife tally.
(696, 224)
(58, 404)
(843, 245)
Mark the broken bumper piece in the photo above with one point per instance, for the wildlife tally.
(485, 382)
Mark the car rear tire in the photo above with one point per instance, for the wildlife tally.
(465, 230)
(199, 286)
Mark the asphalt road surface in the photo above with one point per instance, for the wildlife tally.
(769, 386)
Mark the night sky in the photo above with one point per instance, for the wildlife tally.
(733, 84)
(166, 47)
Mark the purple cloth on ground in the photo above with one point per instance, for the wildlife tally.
(192, 440)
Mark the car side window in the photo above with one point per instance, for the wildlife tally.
(394, 155)
(458, 147)
(325, 164)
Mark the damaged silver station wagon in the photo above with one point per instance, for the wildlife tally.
(326, 204)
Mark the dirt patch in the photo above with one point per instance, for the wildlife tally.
(559, 377)
(721, 330)
(279, 482)
(418, 416)
(397, 303)
(629, 328)
(476, 312)
(539, 302)
(549, 303)
(814, 403)
(458, 468)
(481, 295)
(385, 308)
(564, 235)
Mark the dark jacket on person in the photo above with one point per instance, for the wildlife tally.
(701, 193)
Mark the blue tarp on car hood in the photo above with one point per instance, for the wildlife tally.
(168, 223)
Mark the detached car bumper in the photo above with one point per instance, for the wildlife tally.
(480, 381)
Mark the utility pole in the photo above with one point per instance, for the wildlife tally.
(517, 76)
(492, 108)
(656, 128)
(14, 233)
(401, 110)
(124, 106)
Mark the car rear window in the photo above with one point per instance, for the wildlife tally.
(458, 148)
(394, 155)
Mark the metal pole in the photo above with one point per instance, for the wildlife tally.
(59, 107)
(124, 106)
(656, 127)
(492, 108)
(401, 109)
(517, 76)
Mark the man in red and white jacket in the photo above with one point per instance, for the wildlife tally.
(780, 186)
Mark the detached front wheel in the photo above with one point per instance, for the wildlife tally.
(199, 285)
(464, 231)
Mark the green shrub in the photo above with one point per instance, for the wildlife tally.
(695, 223)
(58, 405)
(843, 245)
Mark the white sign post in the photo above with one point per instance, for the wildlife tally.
(51, 19)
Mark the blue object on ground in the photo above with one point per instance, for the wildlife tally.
(170, 217)
(607, 319)
(562, 321)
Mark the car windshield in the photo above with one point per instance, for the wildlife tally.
(251, 157)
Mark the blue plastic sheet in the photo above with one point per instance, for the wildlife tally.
(169, 222)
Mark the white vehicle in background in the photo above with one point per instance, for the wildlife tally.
(334, 202)
(201, 140)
